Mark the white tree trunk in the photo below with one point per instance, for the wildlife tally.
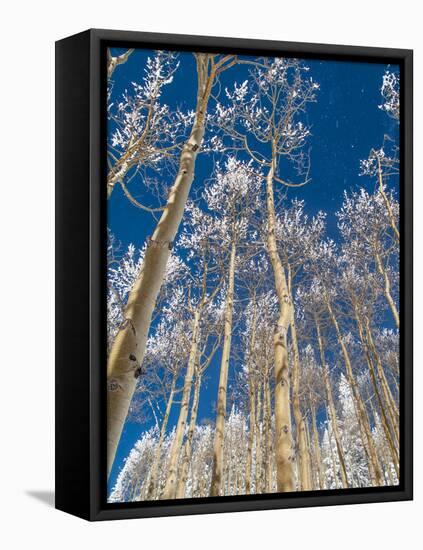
(387, 289)
(132, 338)
(169, 491)
(183, 476)
(252, 402)
(303, 454)
(386, 200)
(152, 486)
(361, 413)
(383, 415)
(332, 410)
(316, 445)
(216, 483)
(283, 436)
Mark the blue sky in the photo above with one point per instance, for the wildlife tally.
(345, 123)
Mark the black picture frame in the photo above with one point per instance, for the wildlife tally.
(80, 275)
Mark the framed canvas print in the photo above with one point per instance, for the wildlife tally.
(234, 274)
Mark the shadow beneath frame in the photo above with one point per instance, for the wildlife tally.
(46, 497)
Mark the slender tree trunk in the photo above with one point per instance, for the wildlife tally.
(251, 437)
(384, 453)
(169, 491)
(312, 473)
(131, 339)
(283, 434)
(216, 483)
(332, 410)
(388, 467)
(316, 445)
(183, 475)
(143, 495)
(269, 450)
(240, 466)
(362, 418)
(136, 487)
(226, 465)
(384, 419)
(152, 486)
(265, 447)
(304, 463)
(259, 454)
(386, 390)
(387, 288)
(386, 200)
(303, 456)
(332, 458)
(252, 400)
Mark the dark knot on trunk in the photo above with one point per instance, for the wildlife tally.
(151, 243)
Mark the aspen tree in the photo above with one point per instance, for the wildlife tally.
(361, 294)
(180, 490)
(282, 89)
(154, 470)
(259, 316)
(358, 294)
(223, 380)
(332, 410)
(251, 394)
(268, 458)
(284, 443)
(383, 163)
(200, 369)
(144, 134)
(358, 403)
(197, 309)
(385, 422)
(333, 461)
(312, 299)
(296, 235)
(131, 340)
(304, 462)
(392, 409)
(387, 287)
(313, 397)
(170, 487)
(316, 446)
(388, 165)
(233, 198)
(363, 219)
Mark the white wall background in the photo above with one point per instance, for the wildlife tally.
(28, 31)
